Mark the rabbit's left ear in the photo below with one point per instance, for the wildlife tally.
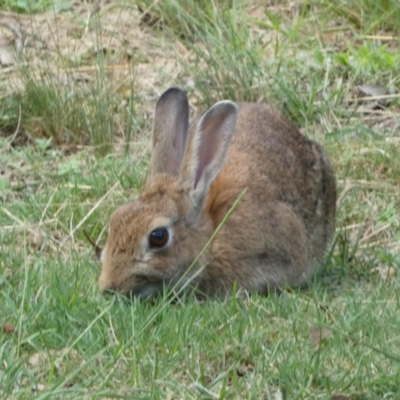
(170, 131)
(206, 152)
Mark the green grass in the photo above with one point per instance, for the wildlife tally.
(369, 15)
(65, 167)
(34, 6)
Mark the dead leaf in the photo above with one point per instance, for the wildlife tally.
(340, 397)
(36, 358)
(278, 395)
(57, 235)
(42, 357)
(317, 335)
(376, 92)
(38, 388)
(6, 55)
(35, 239)
(372, 89)
(384, 271)
(8, 48)
(9, 329)
(244, 369)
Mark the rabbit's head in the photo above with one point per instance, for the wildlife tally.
(154, 240)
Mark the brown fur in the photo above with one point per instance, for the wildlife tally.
(276, 236)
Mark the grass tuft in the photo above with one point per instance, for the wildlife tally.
(83, 92)
(370, 16)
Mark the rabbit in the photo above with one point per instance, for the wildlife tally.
(275, 237)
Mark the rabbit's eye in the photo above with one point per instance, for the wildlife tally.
(158, 238)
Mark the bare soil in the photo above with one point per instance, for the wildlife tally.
(68, 43)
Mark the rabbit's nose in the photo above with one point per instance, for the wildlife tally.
(105, 286)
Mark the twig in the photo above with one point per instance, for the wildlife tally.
(94, 208)
(377, 97)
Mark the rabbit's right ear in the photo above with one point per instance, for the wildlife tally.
(170, 131)
(206, 153)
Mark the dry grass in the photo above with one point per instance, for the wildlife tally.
(100, 68)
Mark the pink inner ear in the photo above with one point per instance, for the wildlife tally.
(210, 143)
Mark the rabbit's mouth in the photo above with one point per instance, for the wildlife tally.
(154, 289)
(142, 287)
(147, 291)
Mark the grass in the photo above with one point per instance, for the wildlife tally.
(369, 15)
(34, 6)
(67, 121)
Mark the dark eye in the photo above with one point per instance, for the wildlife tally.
(158, 238)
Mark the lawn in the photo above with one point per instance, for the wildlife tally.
(77, 100)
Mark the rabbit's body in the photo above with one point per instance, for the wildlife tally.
(277, 234)
(290, 193)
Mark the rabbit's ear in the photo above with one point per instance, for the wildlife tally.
(207, 150)
(170, 131)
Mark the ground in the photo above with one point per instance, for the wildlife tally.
(78, 95)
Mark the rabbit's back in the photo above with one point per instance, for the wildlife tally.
(286, 218)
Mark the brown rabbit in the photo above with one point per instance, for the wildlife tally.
(275, 237)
